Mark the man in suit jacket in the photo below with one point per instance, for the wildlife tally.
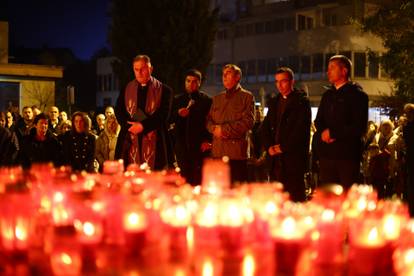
(285, 132)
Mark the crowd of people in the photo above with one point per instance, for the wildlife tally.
(148, 125)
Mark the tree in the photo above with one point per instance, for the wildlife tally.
(39, 93)
(393, 21)
(176, 34)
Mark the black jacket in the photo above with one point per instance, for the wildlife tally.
(9, 147)
(34, 151)
(294, 132)
(191, 131)
(345, 113)
(79, 150)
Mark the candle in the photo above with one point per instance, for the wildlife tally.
(328, 238)
(66, 263)
(234, 216)
(289, 242)
(65, 257)
(16, 220)
(177, 217)
(206, 223)
(89, 232)
(135, 225)
(367, 247)
(15, 234)
(216, 176)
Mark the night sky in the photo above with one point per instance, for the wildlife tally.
(79, 25)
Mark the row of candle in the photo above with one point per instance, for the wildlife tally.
(69, 217)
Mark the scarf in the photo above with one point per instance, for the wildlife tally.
(148, 146)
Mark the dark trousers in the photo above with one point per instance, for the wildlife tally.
(191, 171)
(344, 172)
(291, 173)
(238, 171)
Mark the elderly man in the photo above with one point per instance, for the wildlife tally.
(230, 118)
(54, 125)
(143, 110)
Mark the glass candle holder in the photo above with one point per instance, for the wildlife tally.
(16, 218)
(65, 255)
(216, 176)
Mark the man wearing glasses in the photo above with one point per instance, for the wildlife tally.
(285, 132)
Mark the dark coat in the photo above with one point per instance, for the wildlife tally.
(190, 132)
(345, 113)
(34, 151)
(294, 132)
(164, 155)
(9, 147)
(408, 135)
(79, 150)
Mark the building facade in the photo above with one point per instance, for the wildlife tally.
(24, 84)
(107, 84)
(261, 35)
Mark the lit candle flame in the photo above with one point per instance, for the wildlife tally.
(89, 229)
(208, 269)
(328, 215)
(249, 265)
(66, 259)
(134, 221)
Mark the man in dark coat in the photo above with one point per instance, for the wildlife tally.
(192, 140)
(408, 136)
(41, 145)
(286, 134)
(143, 110)
(9, 147)
(341, 124)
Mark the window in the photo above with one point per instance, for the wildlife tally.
(294, 63)
(305, 64)
(317, 63)
(209, 77)
(282, 61)
(261, 70)
(218, 73)
(290, 24)
(9, 94)
(360, 63)
(260, 28)
(109, 79)
(250, 29)
(271, 69)
(330, 20)
(240, 31)
(268, 27)
(279, 25)
(222, 34)
(373, 66)
(304, 22)
(251, 71)
(243, 67)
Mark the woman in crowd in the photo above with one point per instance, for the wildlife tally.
(79, 144)
(106, 142)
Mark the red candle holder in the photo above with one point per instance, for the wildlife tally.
(216, 176)
(235, 215)
(135, 223)
(367, 246)
(289, 239)
(16, 219)
(65, 256)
